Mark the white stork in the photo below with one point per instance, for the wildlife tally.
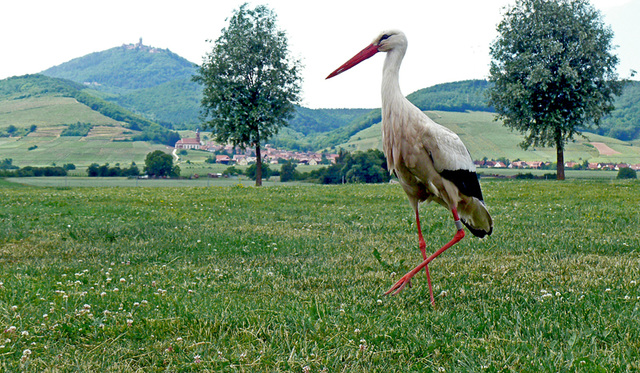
(430, 161)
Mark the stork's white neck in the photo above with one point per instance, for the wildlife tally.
(391, 76)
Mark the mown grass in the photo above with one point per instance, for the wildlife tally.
(285, 279)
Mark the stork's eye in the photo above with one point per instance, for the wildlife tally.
(384, 37)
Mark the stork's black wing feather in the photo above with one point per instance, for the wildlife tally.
(466, 181)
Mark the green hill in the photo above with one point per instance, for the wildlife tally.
(456, 96)
(484, 137)
(42, 101)
(624, 122)
(152, 82)
(124, 69)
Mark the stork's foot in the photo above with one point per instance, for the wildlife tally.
(404, 281)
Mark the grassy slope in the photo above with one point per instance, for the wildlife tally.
(77, 150)
(48, 111)
(486, 138)
(124, 279)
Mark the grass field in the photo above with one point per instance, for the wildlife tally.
(271, 279)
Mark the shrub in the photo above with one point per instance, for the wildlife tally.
(627, 173)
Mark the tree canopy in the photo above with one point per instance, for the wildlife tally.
(251, 82)
(553, 71)
(160, 164)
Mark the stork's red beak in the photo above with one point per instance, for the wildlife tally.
(361, 56)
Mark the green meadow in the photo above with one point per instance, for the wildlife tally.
(291, 279)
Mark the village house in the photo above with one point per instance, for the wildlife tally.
(223, 159)
(518, 164)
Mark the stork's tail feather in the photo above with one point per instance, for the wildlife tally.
(475, 216)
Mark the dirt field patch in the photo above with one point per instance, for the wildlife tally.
(604, 149)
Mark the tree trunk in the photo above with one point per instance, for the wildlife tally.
(560, 160)
(258, 166)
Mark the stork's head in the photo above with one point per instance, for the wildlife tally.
(385, 42)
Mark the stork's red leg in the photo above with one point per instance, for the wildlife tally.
(423, 247)
(398, 286)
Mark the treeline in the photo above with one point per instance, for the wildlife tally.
(35, 85)
(77, 129)
(308, 121)
(162, 105)
(30, 171)
(96, 170)
(12, 130)
(458, 96)
(358, 167)
(8, 169)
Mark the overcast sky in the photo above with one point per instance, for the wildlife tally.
(448, 40)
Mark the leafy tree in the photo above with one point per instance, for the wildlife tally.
(366, 167)
(288, 171)
(252, 171)
(251, 82)
(627, 173)
(160, 164)
(553, 71)
(7, 164)
(232, 171)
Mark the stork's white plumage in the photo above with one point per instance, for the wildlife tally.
(430, 161)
